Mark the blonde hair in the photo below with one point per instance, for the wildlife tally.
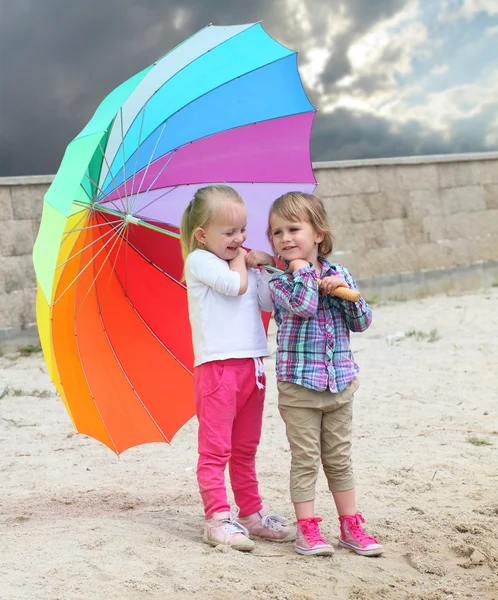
(201, 210)
(296, 206)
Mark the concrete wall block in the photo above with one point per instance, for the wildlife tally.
(16, 238)
(422, 203)
(394, 233)
(461, 225)
(16, 273)
(360, 209)
(417, 177)
(359, 237)
(387, 178)
(486, 248)
(485, 171)
(345, 182)
(351, 260)
(338, 209)
(27, 201)
(6, 212)
(462, 199)
(17, 309)
(389, 204)
(414, 232)
(445, 254)
(456, 174)
(491, 195)
(387, 261)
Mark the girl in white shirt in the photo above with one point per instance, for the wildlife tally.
(225, 301)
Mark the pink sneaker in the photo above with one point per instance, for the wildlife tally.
(269, 526)
(354, 538)
(309, 539)
(222, 529)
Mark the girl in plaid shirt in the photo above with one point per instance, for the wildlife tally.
(316, 371)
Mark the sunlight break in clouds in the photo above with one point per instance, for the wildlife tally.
(453, 10)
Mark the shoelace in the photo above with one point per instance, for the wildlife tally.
(356, 530)
(312, 531)
(231, 527)
(274, 522)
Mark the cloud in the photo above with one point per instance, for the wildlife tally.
(348, 134)
(439, 70)
(370, 66)
(453, 10)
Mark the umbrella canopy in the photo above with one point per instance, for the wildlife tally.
(226, 106)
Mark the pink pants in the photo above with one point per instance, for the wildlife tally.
(229, 407)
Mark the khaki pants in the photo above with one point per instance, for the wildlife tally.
(318, 426)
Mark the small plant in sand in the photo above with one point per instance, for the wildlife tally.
(432, 336)
(4, 392)
(28, 350)
(17, 392)
(477, 441)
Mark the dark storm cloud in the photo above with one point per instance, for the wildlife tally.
(348, 135)
(363, 14)
(60, 58)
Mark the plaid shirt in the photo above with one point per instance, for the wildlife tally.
(313, 328)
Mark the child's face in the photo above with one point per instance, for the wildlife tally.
(294, 240)
(226, 232)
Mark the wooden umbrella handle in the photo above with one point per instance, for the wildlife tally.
(345, 293)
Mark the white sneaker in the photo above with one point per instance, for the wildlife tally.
(222, 529)
(269, 526)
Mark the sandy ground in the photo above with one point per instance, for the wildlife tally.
(79, 523)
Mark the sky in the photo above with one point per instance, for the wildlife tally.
(389, 77)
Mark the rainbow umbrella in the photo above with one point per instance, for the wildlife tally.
(225, 106)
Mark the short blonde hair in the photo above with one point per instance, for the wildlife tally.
(204, 206)
(296, 206)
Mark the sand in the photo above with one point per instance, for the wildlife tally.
(79, 523)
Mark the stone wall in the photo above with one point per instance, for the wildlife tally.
(21, 200)
(405, 227)
(416, 226)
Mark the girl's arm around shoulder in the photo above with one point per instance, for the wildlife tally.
(296, 292)
(205, 267)
(358, 315)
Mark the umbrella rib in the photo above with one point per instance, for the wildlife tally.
(113, 262)
(80, 220)
(124, 164)
(91, 227)
(182, 69)
(209, 92)
(87, 265)
(156, 199)
(108, 255)
(170, 277)
(136, 154)
(115, 448)
(145, 322)
(135, 206)
(119, 362)
(150, 159)
(113, 180)
(215, 133)
(82, 250)
(105, 196)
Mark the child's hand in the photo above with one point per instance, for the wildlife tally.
(256, 258)
(240, 257)
(329, 284)
(297, 264)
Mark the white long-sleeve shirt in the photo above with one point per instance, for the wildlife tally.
(224, 324)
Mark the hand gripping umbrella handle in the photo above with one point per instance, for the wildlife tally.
(345, 293)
